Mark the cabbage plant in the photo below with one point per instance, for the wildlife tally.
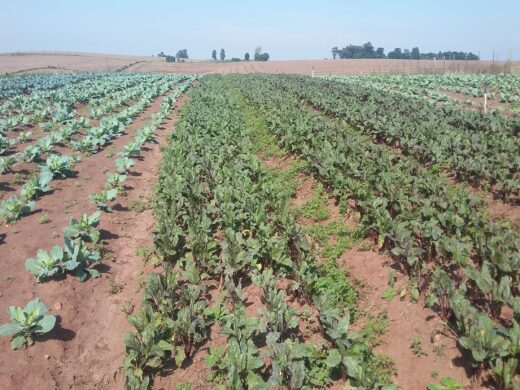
(27, 322)
(14, 208)
(84, 228)
(101, 199)
(46, 264)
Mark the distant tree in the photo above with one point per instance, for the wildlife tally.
(235, 59)
(161, 54)
(214, 54)
(258, 51)
(182, 53)
(368, 50)
(246, 57)
(222, 54)
(396, 54)
(416, 54)
(380, 52)
(262, 57)
(335, 52)
(170, 58)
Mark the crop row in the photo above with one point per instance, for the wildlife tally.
(467, 265)
(478, 148)
(55, 165)
(222, 227)
(23, 110)
(81, 240)
(502, 87)
(14, 86)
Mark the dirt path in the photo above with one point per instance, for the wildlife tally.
(86, 350)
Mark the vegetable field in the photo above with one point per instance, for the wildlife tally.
(259, 232)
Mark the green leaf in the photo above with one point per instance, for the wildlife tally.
(18, 342)
(47, 323)
(333, 358)
(180, 356)
(9, 329)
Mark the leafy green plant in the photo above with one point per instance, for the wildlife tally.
(84, 228)
(123, 164)
(145, 349)
(6, 164)
(56, 166)
(238, 364)
(14, 208)
(35, 187)
(101, 199)
(115, 179)
(447, 383)
(27, 322)
(24, 137)
(78, 259)
(46, 264)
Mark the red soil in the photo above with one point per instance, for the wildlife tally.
(86, 349)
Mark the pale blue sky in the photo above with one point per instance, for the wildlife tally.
(286, 29)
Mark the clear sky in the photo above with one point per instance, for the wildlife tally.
(288, 29)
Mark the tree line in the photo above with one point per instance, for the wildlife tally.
(367, 50)
(258, 56)
(183, 54)
(180, 56)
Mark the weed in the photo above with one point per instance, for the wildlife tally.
(8, 278)
(44, 219)
(69, 204)
(127, 307)
(334, 237)
(439, 350)
(114, 287)
(110, 151)
(416, 346)
(391, 278)
(145, 252)
(385, 367)
(108, 255)
(389, 294)
(434, 373)
(21, 178)
(54, 234)
(316, 207)
(285, 179)
(374, 328)
(137, 206)
(334, 284)
(182, 386)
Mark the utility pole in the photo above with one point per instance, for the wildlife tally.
(493, 56)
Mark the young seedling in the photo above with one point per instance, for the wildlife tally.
(46, 264)
(6, 164)
(84, 228)
(14, 208)
(416, 346)
(101, 199)
(27, 322)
